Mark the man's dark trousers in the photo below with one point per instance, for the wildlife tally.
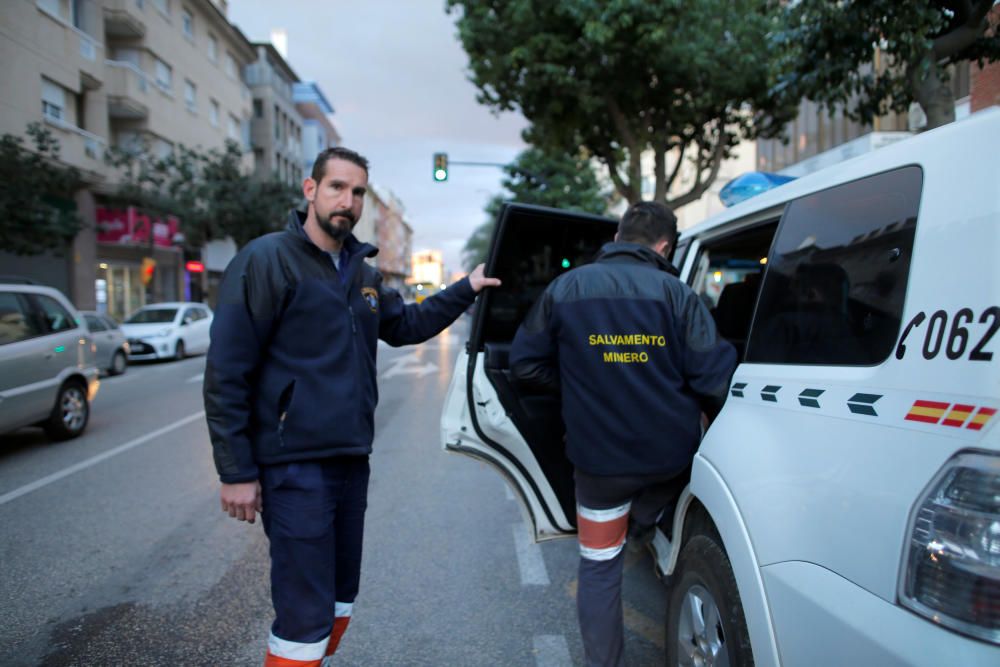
(314, 518)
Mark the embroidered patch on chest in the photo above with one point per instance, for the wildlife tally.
(370, 295)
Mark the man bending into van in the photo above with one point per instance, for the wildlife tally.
(637, 359)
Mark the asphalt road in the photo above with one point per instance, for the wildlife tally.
(116, 552)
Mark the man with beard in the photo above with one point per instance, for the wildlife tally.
(290, 394)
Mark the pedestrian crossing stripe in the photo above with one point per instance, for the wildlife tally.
(979, 421)
(929, 412)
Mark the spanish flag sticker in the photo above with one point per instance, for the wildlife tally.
(958, 414)
(982, 417)
(929, 412)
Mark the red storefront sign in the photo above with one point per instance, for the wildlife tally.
(129, 227)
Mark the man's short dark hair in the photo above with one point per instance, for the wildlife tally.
(336, 153)
(648, 223)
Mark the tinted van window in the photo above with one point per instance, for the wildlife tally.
(57, 318)
(836, 277)
(16, 323)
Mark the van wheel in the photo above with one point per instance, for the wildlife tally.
(705, 621)
(179, 351)
(118, 363)
(70, 413)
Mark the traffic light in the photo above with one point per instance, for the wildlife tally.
(440, 167)
(148, 269)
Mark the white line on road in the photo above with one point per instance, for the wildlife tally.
(529, 558)
(196, 378)
(94, 460)
(552, 651)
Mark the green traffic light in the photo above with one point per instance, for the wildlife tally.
(440, 175)
(565, 263)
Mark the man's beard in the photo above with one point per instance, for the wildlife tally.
(338, 232)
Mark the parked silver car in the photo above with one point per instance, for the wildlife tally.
(47, 371)
(112, 347)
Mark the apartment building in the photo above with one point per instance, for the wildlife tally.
(102, 73)
(318, 133)
(817, 138)
(276, 130)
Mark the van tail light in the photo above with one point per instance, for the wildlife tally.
(951, 564)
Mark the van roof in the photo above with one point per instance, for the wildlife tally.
(908, 151)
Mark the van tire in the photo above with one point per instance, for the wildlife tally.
(704, 613)
(71, 412)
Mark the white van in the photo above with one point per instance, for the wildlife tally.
(844, 507)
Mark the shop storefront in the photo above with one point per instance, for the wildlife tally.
(138, 261)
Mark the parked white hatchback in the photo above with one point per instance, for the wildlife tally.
(169, 330)
(844, 507)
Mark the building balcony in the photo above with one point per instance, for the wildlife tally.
(129, 91)
(80, 149)
(123, 20)
(71, 46)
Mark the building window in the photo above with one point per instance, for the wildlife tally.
(277, 122)
(164, 75)
(53, 101)
(233, 132)
(187, 24)
(163, 6)
(213, 113)
(258, 109)
(213, 48)
(230, 65)
(53, 7)
(190, 96)
(162, 148)
(836, 276)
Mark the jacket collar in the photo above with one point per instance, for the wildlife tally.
(635, 252)
(352, 247)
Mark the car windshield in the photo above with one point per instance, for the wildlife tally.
(153, 316)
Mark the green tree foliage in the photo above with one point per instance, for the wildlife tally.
(621, 78)
(873, 56)
(208, 191)
(560, 180)
(36, 195)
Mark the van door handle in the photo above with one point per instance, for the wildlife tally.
(49, 355)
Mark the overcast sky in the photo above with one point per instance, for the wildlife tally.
(395, 73)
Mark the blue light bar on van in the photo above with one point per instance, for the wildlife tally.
(749, 185)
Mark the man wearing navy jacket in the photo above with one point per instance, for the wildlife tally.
(290, 394)
(637, 359)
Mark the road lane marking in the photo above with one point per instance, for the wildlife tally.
(529, 558)
(408, 365)
(94, 460)
(196, 378)
(552, 651)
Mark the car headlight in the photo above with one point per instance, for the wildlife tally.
(951, 568)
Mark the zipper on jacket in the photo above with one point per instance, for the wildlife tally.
(354, 328)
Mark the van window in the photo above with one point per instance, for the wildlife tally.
(836, 277)
(536, 247)
(16, 323)
(727, 277)
(56, 317)
(95, 323)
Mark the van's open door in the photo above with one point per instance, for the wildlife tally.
(484, 417)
